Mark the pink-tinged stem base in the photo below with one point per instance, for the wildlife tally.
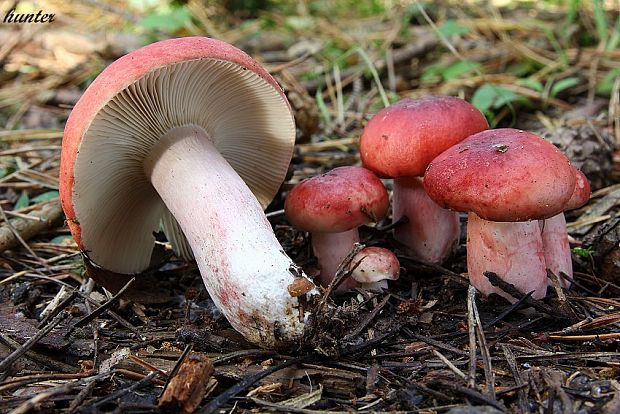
(512, 250)
(432, 232)
(557, 249)
(243, 266)
(330, 250)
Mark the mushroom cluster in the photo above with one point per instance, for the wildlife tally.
(193, 135)
(444, 159)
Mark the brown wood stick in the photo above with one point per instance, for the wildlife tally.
(50, 214)
(187, 388)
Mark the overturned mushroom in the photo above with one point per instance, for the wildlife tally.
(193, 133)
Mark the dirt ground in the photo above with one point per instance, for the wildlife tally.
(429, 343)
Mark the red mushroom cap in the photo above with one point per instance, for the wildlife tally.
(582, 191)
(339, 200)
(375, 264)
(402, 139)
(502, 175)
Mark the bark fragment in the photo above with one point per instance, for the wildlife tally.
(187, 388)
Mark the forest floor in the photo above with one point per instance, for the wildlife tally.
(429, 343)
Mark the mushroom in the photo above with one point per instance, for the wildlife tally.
(332, 206)
(555, 237)
(372, 267)
(399, 142)
(193, 133)
(507, 179)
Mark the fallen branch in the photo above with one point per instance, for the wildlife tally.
(49, 216)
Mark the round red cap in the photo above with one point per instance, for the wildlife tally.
(339, 200)
(375, 264)
(502, 175)
(400, 140)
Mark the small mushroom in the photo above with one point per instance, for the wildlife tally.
(507, 179)
(372, 267)
(194, 134)
(399, 142)
(332, 206)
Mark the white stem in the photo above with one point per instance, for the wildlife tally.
(330, 250)
(379, 286)
(557, 249)
(432, 232)
(243, 266)
(514, 251)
